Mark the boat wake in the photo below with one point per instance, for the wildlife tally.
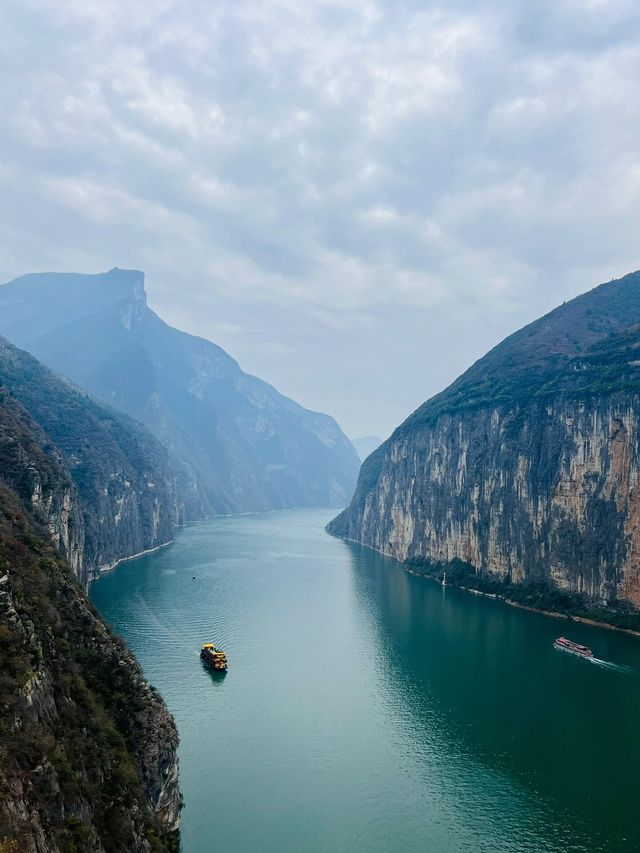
(615, 667)
(159, 627)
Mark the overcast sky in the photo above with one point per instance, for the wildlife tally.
(355, 198)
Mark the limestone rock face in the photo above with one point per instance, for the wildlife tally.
(527, 467)
(119, 497)
(27, 460)
(556, 501)
(88, 751)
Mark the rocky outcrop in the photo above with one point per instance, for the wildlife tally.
(527, 467)
(87, 749)
(235, 443)
(120, 497)
(35, 470)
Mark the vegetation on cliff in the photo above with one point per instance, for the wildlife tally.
(120, 473)
(525, 467)
(87, 748)
(534, 594)
(535, 360)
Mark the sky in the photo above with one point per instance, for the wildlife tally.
(355, 199)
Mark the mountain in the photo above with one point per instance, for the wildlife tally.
(119, 496)
(87, 749)
(366, 445)
(524, 470)
(35, 470)
(235, 443)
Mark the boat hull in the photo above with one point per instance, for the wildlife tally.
(575, 652)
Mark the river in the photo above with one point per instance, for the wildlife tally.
(366, 709)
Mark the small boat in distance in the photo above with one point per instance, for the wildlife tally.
(565, 645)
(214, 657)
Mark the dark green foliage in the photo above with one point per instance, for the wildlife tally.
(117, 467)
(86, 751)
(79, 749)
(83, 740)
(539, 358)
(520, 402)
(535, 594)
(26, 455)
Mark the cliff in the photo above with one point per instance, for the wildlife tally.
(87, 749)
(33, 468)
(120, 496)
(526, 468)
(235, 443)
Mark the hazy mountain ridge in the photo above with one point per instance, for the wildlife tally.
(531, 358)
(235, 442)
(121, 497)
(526, 467)
(87, 749)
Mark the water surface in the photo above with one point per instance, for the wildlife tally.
(369, 710)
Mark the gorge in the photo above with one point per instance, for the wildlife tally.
(84, 486)
(88, 750)
(235, 443)
(525, 470)
(368, 710)
(89, 754)
(123, 492)
(520, 480)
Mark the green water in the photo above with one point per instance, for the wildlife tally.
(369, 710)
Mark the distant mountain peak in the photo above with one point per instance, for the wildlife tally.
(125, 271)
(235, 442)
(129, 278)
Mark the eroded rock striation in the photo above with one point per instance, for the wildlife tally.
(120, 496)
(526, 468)
(34, 468)
(87, 748)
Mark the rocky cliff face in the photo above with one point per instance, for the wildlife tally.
(235, 443)
(527, 467)
(120, 497)
(35, 470)
(87, 748)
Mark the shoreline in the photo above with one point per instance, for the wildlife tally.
(111, 566)
(596, 623)
(585, 620)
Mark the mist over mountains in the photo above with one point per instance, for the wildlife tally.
(235, 443)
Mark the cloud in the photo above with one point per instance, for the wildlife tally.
(357, 198)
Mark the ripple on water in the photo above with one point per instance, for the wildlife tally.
(366, 710)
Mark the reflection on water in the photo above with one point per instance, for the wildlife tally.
(482, 681)
(367, 709)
